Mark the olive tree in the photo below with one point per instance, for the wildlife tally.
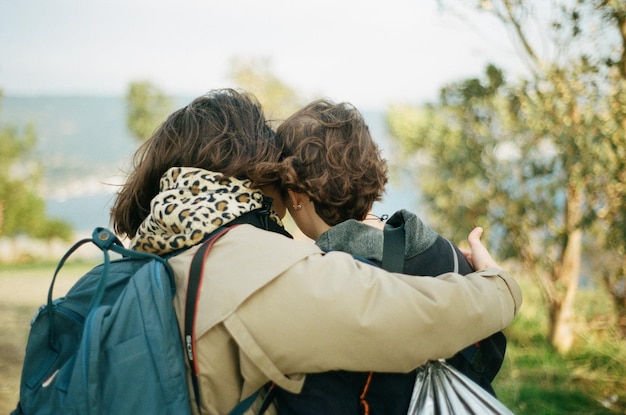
(537, 161)
(146, 108)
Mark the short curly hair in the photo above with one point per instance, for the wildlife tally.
(329, 155)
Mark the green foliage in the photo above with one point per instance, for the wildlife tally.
(22, 210)
(14, 146)
(530, 162)
(147, 108)
(255, 75)
(536, 161)
(468, 163)
(576, 97)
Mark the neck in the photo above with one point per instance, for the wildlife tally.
(374, 221)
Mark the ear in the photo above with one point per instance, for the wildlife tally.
(296, 198)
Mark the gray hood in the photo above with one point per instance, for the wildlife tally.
(367, 242)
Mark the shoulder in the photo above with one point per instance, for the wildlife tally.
(248, 235)
(261, 251)
(238, 264)
(355, 238)
(418, 235)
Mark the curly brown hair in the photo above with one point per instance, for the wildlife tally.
(330, 156)
(223, 131)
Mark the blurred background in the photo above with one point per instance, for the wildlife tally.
(509, 115)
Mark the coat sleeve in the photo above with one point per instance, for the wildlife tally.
(329, 312)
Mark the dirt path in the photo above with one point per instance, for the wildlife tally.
(21, 293)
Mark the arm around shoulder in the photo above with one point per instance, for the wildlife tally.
(329, 312)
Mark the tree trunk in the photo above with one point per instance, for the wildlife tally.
(566, 277)
(561, 306)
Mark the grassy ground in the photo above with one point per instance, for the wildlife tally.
(591, 379)
(534, 380)
(22, 290)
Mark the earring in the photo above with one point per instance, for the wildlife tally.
(297, 207)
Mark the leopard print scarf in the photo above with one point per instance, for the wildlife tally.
(192, 203)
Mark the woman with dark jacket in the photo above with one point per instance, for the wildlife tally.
(333, 173)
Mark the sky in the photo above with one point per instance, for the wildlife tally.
(370, 53)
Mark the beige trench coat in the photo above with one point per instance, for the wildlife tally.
(271, 308)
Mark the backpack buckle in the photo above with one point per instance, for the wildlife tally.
(104, 238)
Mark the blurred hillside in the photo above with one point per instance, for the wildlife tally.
(83, 147)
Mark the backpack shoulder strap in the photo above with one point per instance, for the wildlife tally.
(258, 218)
(196, 273)
(455, 256)
(106, 241)
(394, 244)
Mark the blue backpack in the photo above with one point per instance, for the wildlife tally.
(110, 346)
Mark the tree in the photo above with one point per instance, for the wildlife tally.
(609, 190)
(591, 36)
(535, 160)
(147, 108)
(255, 75)
(22, 210)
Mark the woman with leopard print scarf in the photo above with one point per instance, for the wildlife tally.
(271, 308)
